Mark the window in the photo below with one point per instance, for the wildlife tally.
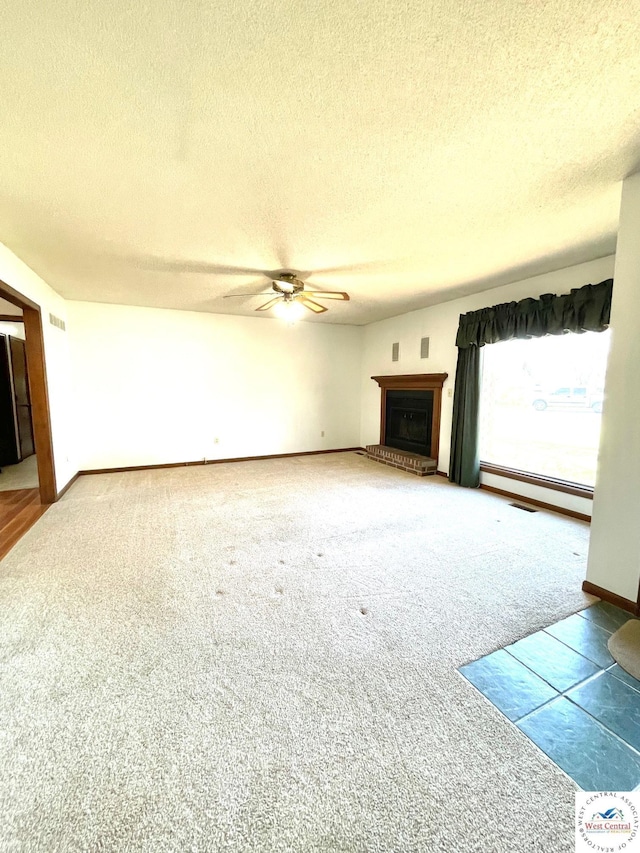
(541, 405)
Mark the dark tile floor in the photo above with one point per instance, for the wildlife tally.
(562, 688)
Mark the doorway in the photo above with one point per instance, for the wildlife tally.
(26, 428)
(18, 462)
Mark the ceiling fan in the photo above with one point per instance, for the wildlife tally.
(291, 296)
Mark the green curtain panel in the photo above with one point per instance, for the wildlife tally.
(465, 459)
(584, 309)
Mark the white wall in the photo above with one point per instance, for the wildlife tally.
(18, 275)
(157, 386)
(16, 330)
(614, 552)
(440, 324)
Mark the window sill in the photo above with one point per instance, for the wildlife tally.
(556, 485)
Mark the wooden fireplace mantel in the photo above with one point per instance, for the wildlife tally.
(414, 382)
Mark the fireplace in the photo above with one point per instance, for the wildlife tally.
(409, 422)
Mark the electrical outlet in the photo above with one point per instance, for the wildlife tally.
(322, 434)
(216, 440)
(449, 392)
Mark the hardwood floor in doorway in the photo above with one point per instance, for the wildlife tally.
(19, 510)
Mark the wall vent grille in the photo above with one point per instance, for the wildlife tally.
(525, 508)
(424, 348)
(395, 352)
(57, 322)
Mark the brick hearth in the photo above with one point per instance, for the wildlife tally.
(402, 459)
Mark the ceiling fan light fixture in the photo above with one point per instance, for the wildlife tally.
(289, 310)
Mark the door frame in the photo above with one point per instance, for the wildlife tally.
(37, 368)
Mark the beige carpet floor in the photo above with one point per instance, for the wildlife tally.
(262, 657)
(24, 475)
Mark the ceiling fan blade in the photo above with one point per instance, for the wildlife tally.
(269, 304)
(311, 305)
(328, 294)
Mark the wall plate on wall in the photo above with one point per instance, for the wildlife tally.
(424, 348)
(395, 352)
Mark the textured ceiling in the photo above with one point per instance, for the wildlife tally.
(426, 149)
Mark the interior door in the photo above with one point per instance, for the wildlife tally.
(21, 397)
(8, 438)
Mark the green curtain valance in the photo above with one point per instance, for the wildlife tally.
(584, 309)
